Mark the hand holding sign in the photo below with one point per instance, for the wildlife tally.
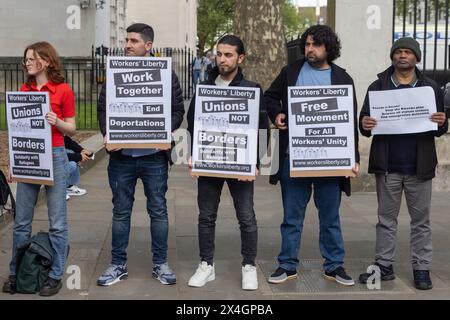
(280, 121)
(368, 123)
(52, 118)
(439, 118)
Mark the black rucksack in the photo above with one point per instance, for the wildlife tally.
(33, 261)
(5, 193)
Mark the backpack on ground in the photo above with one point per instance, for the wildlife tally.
(34, 259)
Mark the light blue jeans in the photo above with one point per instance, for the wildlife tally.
(26, 199)
(74, 172)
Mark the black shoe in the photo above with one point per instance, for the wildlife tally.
(422, 280)
(51, 287)
(340, 276)
(386, 273)
(281, 275)
(9, 286)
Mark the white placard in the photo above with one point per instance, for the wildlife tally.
(30, 137)
(403, 111)
(225, 131)
(138, 102)
(321, 130)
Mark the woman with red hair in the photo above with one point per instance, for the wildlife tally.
(44, 74)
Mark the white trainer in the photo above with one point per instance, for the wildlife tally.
(75, 191)
(249, 277)
(202, 275)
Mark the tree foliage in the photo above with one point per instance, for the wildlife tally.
(295, 20)
(214, 19)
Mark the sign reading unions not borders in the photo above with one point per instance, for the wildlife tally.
(138, 101)
(30, 139)
(321, 130)
(225, 131)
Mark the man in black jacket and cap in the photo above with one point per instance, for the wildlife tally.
(403, 163)
(321, 47)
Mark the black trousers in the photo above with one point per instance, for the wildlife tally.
(208, 198)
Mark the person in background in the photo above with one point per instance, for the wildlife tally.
(76, 155)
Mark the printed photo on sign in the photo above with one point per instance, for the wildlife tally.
(225, 131)
(321, 130)
(29, 136)
(403, 111)
(138, 102)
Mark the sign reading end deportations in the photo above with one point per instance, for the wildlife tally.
(138, 100)
(30, 138)
(321, 131)
(226, 131)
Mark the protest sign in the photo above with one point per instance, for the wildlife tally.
(321, 131)
(30, 138)
(403, 111)
(226, 131)
(138, 102)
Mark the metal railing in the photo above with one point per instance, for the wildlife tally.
(86, 76)
(181, 63)
(427, 21)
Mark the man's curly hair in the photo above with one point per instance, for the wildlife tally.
(323, 35)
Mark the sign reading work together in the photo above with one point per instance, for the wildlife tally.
(138, 102)
(30, 140)
(321, 131)
(225, 131)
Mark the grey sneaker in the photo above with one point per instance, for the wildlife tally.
(113, 274)
(281, 275)
(164, 274)
(340, 276)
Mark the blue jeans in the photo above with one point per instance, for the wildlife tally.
(296, 193)
(74, 174)
(196, 77)
(27, 195)
(123, 172)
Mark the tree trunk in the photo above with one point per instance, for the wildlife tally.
(259, 24)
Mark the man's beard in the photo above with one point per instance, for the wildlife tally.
(225, 73)
(314, 61)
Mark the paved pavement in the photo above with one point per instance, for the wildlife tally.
(90, 239)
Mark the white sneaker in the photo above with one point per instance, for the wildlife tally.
(204, 274)
(67, 196)
(75, 191)
(249, 277)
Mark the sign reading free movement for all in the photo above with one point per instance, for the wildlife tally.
(321, 131)
(138, 100)
(30, 138)
(225, 131)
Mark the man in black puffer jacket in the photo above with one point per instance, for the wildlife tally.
(405, 162)
(149, 165)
